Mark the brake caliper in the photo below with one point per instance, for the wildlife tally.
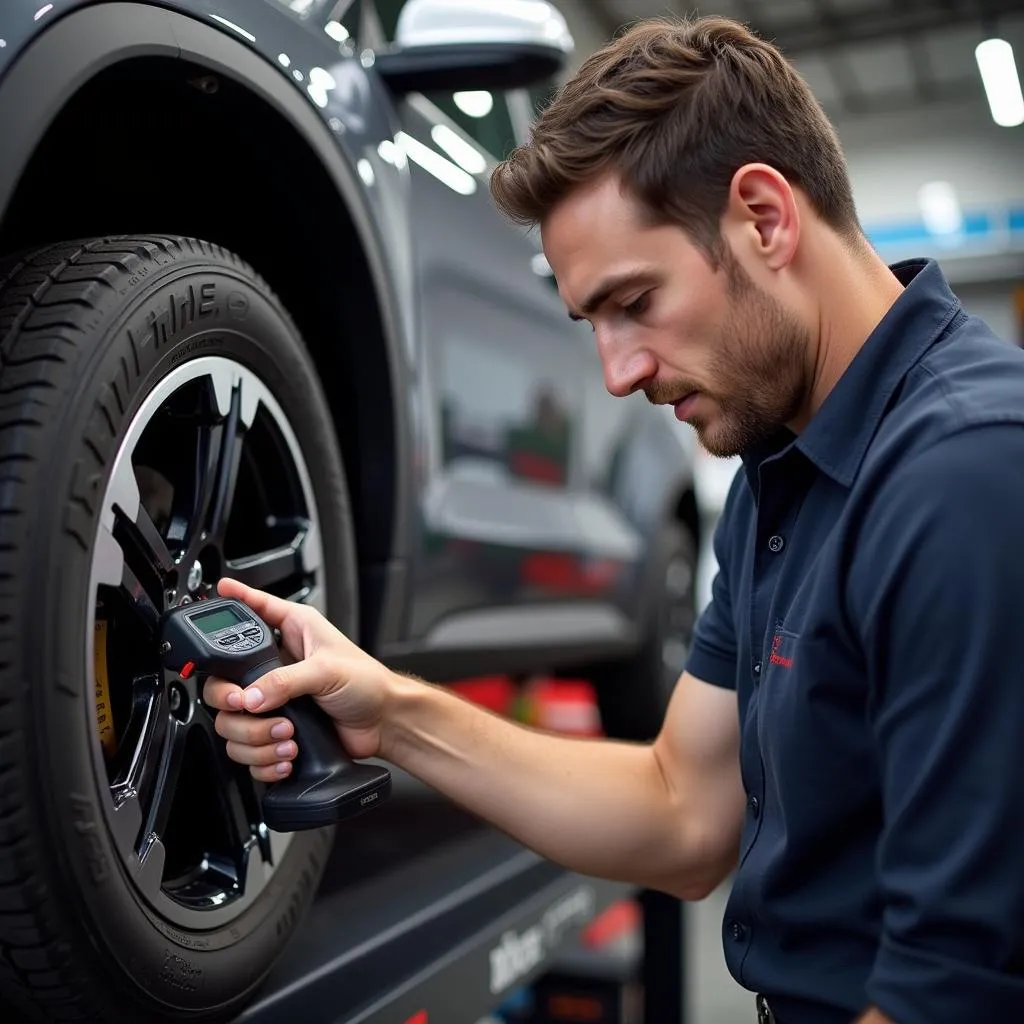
(104, 712)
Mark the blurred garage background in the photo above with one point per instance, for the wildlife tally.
(926, 97)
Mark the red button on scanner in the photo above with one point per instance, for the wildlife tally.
(187, 669)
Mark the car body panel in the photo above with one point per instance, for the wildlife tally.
(526, 485)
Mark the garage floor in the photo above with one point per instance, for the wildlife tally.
(714, 997)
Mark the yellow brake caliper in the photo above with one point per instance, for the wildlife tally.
(104, 714)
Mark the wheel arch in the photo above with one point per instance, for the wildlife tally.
(63, 175)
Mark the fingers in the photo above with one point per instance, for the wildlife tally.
(272, 756)
(250, 731)
(272, 773)
(270, 691)
(264, 744)
(223, 695)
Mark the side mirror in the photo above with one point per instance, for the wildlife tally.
(467, 45)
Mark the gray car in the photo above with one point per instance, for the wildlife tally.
(259, 317)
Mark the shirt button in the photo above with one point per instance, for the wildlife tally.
(757, 668)
(738, 930)
(776, 543)
(755, 805)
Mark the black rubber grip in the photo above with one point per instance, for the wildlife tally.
(325, 786)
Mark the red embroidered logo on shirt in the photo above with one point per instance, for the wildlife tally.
(776, 658)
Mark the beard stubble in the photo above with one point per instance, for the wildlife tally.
(757, 372)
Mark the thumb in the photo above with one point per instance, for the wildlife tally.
(283, 684)
(273, 610)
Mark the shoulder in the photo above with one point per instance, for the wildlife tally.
(967, 464)
(971, 378)
(963, 402)
(944, 522)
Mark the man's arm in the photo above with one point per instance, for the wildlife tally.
(664, 816)
(939, 616)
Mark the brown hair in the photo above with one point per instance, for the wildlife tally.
(676, 107)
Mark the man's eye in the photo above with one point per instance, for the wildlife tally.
(637, 306)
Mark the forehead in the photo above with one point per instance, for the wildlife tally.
(600, 231)
(601, 210)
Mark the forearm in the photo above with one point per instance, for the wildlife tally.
(598, 807)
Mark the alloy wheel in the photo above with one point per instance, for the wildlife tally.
(209, 481)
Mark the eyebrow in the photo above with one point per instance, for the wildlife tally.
(600, 295)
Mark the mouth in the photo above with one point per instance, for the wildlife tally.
(685, 406)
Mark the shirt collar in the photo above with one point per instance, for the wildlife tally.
(838, 435)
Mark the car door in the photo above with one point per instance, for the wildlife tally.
(499, 389)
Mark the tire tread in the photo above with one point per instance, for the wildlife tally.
(49, 301)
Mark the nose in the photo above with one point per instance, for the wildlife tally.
(626, 369)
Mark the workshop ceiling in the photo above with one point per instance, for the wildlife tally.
(861, 56)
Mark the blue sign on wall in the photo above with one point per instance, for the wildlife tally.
(982, 232)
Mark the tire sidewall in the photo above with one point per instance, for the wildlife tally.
(239, 320)
(634, 693)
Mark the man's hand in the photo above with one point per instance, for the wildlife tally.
(665, 815)
(343, 679)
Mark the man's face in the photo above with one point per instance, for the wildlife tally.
(730, 357)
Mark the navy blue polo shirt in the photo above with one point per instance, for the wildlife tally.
(869, 614)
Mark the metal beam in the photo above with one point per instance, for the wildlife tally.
(872, 25)
(838, 65)
(895, 102)
(920, 64)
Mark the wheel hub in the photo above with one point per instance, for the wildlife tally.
(208, 440)
(195, 576)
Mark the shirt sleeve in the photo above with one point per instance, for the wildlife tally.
(713, 652)
(936, 588)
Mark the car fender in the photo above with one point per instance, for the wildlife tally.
(50, 51)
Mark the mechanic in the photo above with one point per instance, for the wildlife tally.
(847, 737)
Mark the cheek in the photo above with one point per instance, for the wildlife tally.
(686, 331)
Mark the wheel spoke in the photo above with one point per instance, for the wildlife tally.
(239, 808)
(141, 537)
(311, 595)
(191, 521)
(215, 472)
(226, 475)
(268, 568)
(139, 600)
(159, 797)
(138, 759)
(147, 559)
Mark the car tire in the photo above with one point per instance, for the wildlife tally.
(633, 693)
(90, 332)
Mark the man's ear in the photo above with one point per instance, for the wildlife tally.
(762, 216)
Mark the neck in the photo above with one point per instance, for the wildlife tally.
(854, 289)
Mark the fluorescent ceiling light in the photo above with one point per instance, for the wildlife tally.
(1002, 84)
(940, 208)
(432, 162)
(336, 31)
(474, 104)
(466, 156)
(365, 169)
